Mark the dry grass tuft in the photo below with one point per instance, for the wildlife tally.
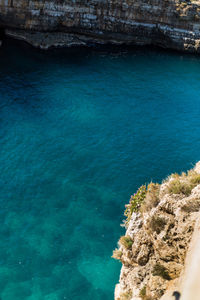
(152, 197)
(195, 179)
(143, 292)
(190, 206)
(176, 186)
(184, 183)
(117, 254)
(161, 271)
(126, 242)
(126, 296)
(157, 224)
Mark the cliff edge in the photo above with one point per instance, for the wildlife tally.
(171, 24)
(161, 220)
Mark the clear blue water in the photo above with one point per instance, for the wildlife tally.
(80, 130)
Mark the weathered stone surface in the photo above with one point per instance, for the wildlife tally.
(172, 23)
(46, 40)
(161, 237)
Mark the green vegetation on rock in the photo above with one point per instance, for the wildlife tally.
(159, 270)
(143, 294)
(152, 197)
(126, 296)
(184, 183)
(126, 241)
(135, 202)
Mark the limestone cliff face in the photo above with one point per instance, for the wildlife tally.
(168, 23)
(160, 224)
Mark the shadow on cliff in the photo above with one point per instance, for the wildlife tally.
(72, 54)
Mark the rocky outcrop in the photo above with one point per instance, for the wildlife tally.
(167, 23)
(160, 224)
(187, 285)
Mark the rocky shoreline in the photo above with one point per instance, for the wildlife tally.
(44, 24)
(181, 40)
(159, 227)
(46, 40)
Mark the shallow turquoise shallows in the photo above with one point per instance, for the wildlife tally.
(80, 131)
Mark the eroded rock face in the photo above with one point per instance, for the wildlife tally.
(172, 23)
(161, 237)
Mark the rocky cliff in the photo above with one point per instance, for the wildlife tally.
(167, 23)
(160, 221)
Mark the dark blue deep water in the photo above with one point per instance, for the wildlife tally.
(80, 131)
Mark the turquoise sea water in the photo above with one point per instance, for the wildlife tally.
(80, 131)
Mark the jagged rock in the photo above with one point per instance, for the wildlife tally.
(161, 237)
(197, 167)
(170, 24)
(156, 286)
(143, 255)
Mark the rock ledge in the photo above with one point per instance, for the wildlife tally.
(159, 227)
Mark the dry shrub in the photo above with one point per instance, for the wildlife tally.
(192, 205)
(143, 294)
(117, 254)
(175, 176)
(126, 241)
(126, 296)
(159, 270)
(176, 186)
(152, 197)
(183, 184)
(195, 179)
(157, 224)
